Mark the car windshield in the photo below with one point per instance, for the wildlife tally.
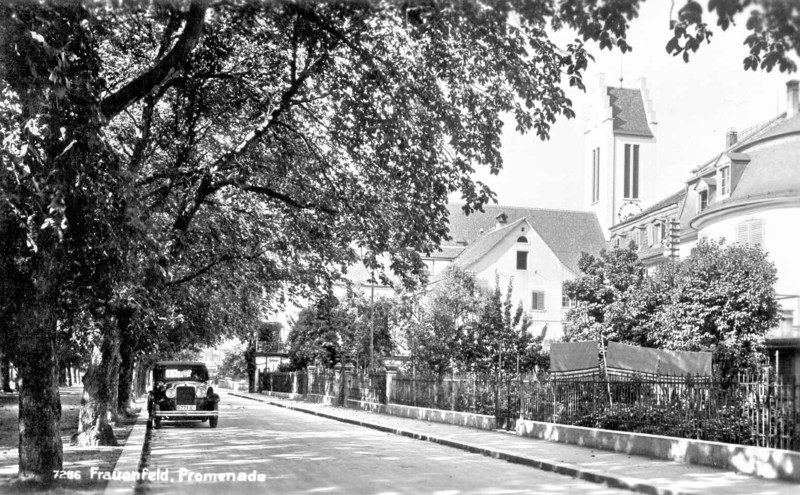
(192, 373)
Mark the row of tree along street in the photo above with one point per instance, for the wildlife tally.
(167, 170)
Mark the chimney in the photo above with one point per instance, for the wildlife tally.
(731, 137)
(502, 220)
(792, 89)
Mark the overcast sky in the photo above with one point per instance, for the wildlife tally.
(695, 104)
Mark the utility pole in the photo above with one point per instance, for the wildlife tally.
(372, 325)
(673, 239)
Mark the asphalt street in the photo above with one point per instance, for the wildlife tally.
(258, 448)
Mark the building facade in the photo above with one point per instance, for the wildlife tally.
(534, 249)
(749, 193)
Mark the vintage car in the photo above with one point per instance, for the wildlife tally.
(181, 392)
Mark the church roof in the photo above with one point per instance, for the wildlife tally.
(628, 112)
(567, 233)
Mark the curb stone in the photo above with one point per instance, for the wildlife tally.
(130, 458)
(574, 470)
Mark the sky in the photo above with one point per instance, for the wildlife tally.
(695, 105)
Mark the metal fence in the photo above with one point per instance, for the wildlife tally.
(368, 387)
(324, 382)
(752, 409)
(286, 382)
(473, 393)
(748, 411)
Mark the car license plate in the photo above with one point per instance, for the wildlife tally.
(186, 408)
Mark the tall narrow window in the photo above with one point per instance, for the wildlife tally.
(631, 171)
(537, 301)
(702, 200)
(522, 260)
(595, 175)
(635, 181)
(725, 181)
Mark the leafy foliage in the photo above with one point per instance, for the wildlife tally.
(721, 298)
(462, 326)
(234, 364)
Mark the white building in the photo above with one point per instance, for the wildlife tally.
(538, 249)
(748, 193)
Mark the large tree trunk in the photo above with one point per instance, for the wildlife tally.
(5, 373)
(141, 377)
(98, 405)
(126, 351)
(125, 388)
(40, 449)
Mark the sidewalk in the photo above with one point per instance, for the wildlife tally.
(642, 474)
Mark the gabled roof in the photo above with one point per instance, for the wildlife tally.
(628, 112)
(567, 233)
(447, 252)
(482, 245)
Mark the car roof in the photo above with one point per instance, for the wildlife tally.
(180, 363)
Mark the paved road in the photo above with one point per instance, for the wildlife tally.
(292, 452)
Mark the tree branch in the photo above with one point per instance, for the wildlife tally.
(163, 69)
(266, 191)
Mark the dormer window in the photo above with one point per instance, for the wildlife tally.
(704, 188)
(725, 181)
(656, 233)
(702, 200)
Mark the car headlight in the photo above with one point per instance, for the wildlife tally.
(171, 393)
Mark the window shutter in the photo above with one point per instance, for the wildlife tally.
(537, 301)
(756, 233)
(741, 233)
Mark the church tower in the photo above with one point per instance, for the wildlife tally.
(620, 153)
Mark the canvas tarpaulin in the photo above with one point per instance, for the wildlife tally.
(573, 356)
(657, 361)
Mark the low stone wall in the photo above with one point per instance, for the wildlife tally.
(757, 461)
(470, 420)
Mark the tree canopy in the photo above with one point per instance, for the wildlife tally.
(721, 298)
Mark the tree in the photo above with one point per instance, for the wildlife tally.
(441, 322)
(607, 294)
(371, 329)
(462, 326)
(499, 339)
(318, 334)
(720, 298)
(234, 364)
(282, 136)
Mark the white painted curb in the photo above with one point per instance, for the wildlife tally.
(128, 462)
